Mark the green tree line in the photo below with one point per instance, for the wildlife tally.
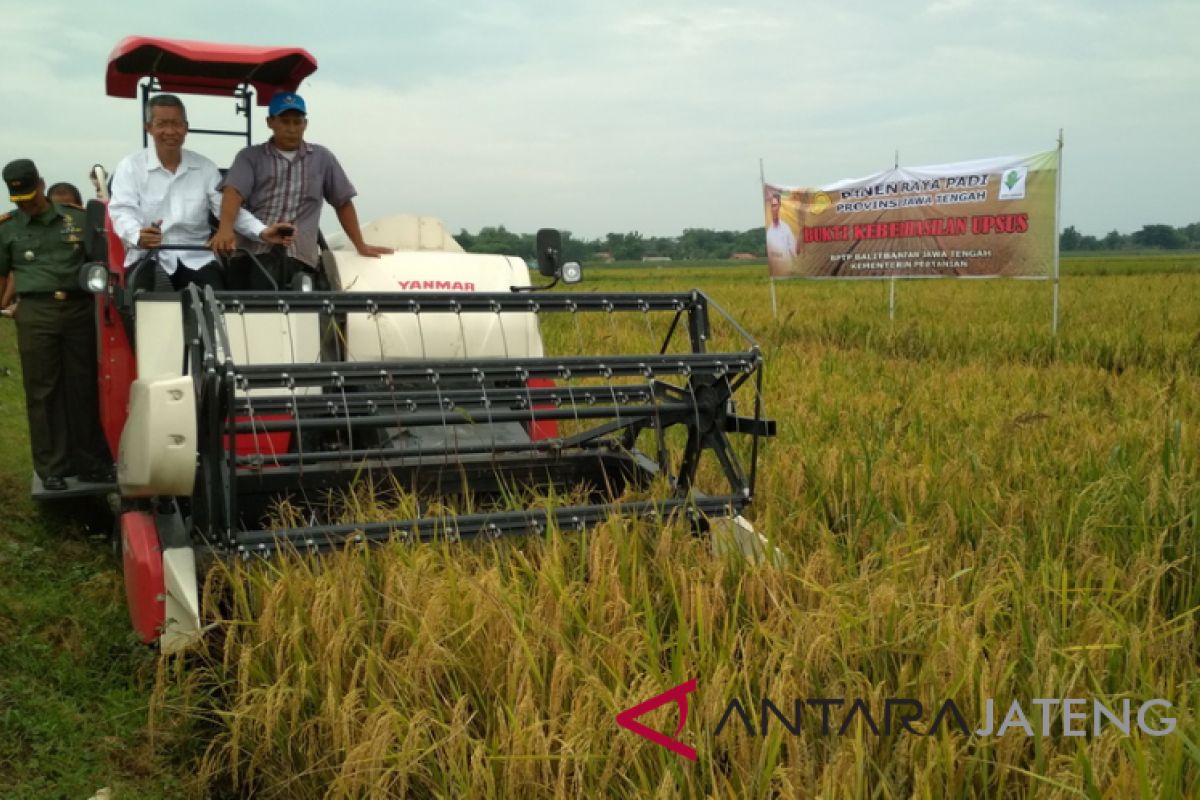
(1152, 237)
(693, 243)
(710, 245)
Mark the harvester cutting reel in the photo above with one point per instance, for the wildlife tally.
(432, 394)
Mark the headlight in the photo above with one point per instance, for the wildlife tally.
(93, 277)
(572, 272)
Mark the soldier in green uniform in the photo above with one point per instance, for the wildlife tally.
(41, 248)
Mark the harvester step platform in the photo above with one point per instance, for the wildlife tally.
(75, 488)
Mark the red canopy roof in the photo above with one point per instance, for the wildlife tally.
(204, 68)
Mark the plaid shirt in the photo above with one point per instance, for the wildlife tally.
(276, 189)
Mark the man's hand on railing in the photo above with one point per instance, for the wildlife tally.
(223, 242)
(150, 236)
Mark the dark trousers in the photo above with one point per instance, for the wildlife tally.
(57, 342)
(245, 275)
(208, 275)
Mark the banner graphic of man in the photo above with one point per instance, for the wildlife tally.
(782, 246)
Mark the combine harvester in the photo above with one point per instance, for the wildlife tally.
(422, 372)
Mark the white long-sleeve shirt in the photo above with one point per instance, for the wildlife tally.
(143, 192)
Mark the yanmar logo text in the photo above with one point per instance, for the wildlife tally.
(826, 716)
(438, 286)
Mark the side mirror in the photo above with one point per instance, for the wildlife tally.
(572, 272)
(549, 252)
(95, 243)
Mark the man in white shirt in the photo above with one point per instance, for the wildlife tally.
(781, 242)
(162, 195)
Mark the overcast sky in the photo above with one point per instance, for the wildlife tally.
(622, 115)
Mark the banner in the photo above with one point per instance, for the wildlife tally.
(987, 217)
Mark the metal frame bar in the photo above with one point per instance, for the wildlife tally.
(483, 526)
(458, 302)
(243, 93)
(369, 402)
(256, 376)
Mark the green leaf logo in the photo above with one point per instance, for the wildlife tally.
(1012, 179)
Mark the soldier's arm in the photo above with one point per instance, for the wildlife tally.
(8, 289)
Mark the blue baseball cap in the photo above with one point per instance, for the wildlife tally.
(286, 101)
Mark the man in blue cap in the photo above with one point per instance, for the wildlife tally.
(286, 179)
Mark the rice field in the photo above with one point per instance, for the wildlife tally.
(967, 510)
